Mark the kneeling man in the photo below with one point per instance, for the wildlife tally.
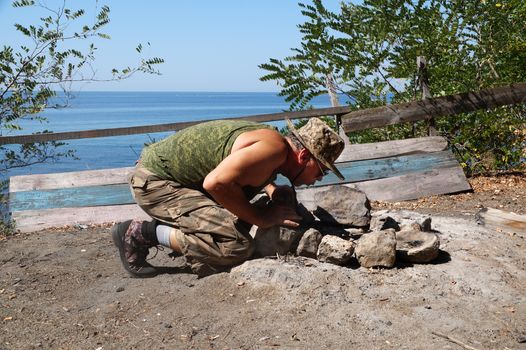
(197, 185)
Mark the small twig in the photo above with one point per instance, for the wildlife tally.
(453, 340)
(227, 334)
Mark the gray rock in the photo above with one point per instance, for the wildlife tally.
(420, 224)
(308, 245)
(426, 224)
(343, 205)
(278, 273)
(335, 250)
(377, 249)
(275, 240)
(330, 229)
(262, 201)
(383, 222)
(417, 246)
(400, 220)
(355, 232)
(268, 272)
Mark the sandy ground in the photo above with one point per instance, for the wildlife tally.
(66, 289)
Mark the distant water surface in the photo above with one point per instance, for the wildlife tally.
(101, 110)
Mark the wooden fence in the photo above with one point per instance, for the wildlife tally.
(351, 120)
(391, 170)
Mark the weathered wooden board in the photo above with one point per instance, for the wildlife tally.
(70, 179)
(364, 170)
(411, 186)
(434, 107)
(416, 185)
(357, 171)
(120, 175)
(405, 187)
(36, 220)
(393, 148)
(503, 220)
(73, 197)
(390, 171)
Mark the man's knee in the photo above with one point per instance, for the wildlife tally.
(230, 254)
(235, 252)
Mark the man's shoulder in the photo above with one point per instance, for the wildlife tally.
(264, 135)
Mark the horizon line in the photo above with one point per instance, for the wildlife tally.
(193, 91)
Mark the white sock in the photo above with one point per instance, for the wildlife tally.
(163, 234)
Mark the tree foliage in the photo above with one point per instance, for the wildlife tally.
(60, 52)
(371, 48)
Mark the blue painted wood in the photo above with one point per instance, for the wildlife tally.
(354, 171)
(88, 196)
(365, 170)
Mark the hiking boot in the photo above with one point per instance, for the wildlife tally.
(133, 248)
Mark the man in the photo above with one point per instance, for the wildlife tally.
(197, 185)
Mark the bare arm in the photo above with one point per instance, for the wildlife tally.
(251, 165)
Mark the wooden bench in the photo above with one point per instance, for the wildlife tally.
(388, 171)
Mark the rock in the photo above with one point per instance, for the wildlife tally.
(400, 221)
(335, 250)
(355, 232)
(308, 245)
(377, 249)
(275, 240)
(426, 224)
(268, 272)
(383, 222)
(343, 205)
(262, 201)
(417, 246)
(331, 229)
(418, 224)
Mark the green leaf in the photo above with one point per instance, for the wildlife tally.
(23, 3)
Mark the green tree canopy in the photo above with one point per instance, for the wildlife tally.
(60, 51)
(370, 49)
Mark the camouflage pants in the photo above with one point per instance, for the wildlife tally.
(214, 239)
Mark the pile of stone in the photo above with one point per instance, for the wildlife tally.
(342, 228)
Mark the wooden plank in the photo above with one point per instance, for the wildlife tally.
(393, 148)
(69, 179)
(70, 135)
(404, 187)
(434, 107)
(365, 170)
(414, 186)
(423, 80)
(36, 220)
(74, 197)
(503, 220)
(121, 175)
(407, 186)
(356, 171)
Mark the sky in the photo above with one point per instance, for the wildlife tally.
(207, 45)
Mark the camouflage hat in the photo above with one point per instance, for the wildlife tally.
(321, 141)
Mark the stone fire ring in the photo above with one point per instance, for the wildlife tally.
(416, 246)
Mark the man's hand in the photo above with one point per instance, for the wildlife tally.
(284, 195)
(281, 215)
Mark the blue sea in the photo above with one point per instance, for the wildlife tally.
(101, 110)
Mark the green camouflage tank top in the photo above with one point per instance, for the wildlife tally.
(189, 155)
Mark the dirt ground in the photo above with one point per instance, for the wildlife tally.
(66, 289)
